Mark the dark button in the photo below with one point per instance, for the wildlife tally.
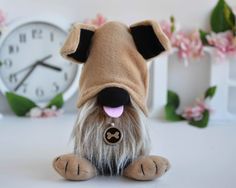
(112, 135)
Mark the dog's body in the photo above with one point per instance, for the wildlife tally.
(110, 135)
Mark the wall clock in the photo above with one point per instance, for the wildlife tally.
(31, 64)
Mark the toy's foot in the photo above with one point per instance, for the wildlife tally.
(147, 168)
(75, 168)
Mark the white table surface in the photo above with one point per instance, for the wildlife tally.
(201, 158)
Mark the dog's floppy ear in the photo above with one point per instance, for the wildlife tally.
(77, 46)
(149, 38)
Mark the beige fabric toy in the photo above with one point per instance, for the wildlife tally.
(110, 137)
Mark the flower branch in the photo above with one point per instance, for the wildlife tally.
(23, 106)
(196, 115)
(221, 37)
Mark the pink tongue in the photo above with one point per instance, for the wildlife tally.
(114, 112)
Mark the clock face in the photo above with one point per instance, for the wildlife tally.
(31, 64)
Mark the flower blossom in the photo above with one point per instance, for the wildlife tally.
(166, 28)
(224, 43)
(195, 112)
(98, 21)
(188, 45)
(37, 112)
(2, 19)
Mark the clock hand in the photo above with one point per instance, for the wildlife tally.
(45, 58)
(50, 66)
(25, 77)
(37, 62)
(24, 69)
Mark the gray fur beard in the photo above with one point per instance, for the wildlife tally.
(110, 159)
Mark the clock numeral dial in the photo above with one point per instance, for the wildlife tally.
(7, 63)
(13, 49)
(51, 36)
(39, 92)
(37, 33)
(66, 76)
(13, 78)
(56, 87)
(22, 38)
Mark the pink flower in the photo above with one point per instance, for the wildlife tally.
(196, 44)
(192, 113)
(166, 28)
(224, 43)
(182, 42)
(51, 112)
(189, 45)
(48, 112)
(2, 19)
(195, 112)
(35, 112)
(202, 104)
(44, 112)
(98, 21)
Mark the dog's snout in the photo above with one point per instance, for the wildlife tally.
(113, 97)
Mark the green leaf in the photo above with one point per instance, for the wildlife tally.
(203, 122)
(1, 63)
(172, 21)
(20, 105)
(56, 101)
(172, 99)
(203, 35)
(222, 17)
(170, 113)
(210, 92)
(171, 107)
(229, 16)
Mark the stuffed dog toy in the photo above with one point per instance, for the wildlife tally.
(110, 135)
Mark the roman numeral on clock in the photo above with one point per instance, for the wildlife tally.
(22, 38)
(51, 36)
(39, 92)
(13, 49)
(37, 33)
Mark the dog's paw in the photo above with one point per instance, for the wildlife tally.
(147, 168)
(74, 168)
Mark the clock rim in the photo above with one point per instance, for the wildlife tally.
(58, 22)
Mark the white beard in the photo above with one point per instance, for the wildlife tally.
(88, 134)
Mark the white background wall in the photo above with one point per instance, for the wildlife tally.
(189, 13)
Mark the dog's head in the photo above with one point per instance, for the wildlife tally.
(114, 58)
